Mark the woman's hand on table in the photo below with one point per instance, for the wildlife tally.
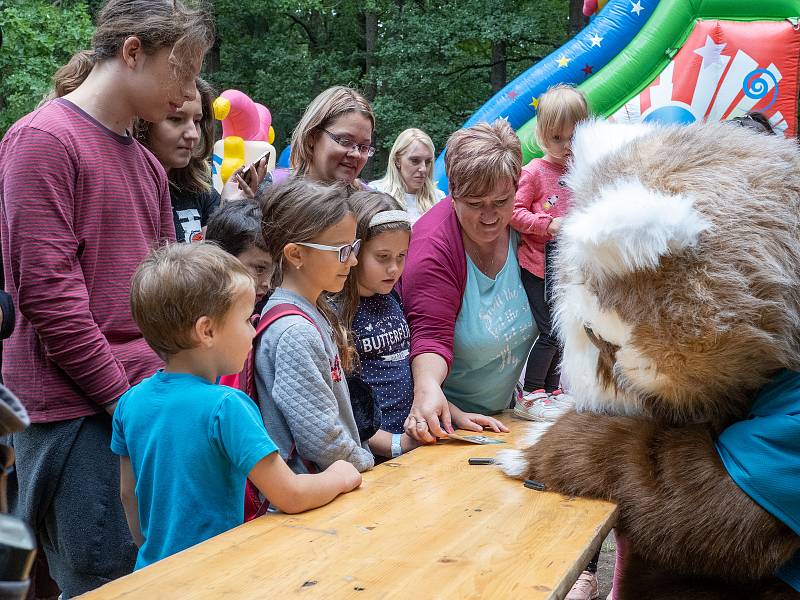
(429, 418)
(475, 421)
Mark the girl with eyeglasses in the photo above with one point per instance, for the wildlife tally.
(333, 140)
(301, 359)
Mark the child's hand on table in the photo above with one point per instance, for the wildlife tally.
(350, 477)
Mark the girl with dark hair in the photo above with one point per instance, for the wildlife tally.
(236, 228)
(82, 204)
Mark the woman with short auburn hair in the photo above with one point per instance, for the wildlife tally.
(471, 326)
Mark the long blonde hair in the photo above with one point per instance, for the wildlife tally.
(392, 181)
(324, 110)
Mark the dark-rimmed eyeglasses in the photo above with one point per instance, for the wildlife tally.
(345, 142)
(344, 251)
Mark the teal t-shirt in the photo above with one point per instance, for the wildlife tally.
(192, 444)
(493, 335)
(762, 455)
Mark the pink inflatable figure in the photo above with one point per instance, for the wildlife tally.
(242, 117)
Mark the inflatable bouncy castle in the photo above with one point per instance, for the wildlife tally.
(247, 134)
(666, 61)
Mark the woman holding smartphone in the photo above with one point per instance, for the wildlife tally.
(183, 144)
(333, 140)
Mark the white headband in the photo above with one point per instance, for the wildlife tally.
(389, 216)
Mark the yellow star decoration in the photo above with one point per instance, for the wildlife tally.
(535, 103)
(563, 61)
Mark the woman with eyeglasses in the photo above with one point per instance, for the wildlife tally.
(302, 357)
(333, 140)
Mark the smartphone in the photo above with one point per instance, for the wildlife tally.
(246, 170)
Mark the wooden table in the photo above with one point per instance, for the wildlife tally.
(425, 525)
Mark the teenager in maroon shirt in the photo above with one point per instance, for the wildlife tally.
(81, 205)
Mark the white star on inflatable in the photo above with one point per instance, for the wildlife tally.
(637, 7)
(596, 40)
(711, 52)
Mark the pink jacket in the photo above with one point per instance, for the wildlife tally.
(433, 281)
(541, 197)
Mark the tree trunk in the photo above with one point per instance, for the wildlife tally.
(577, 20)
(370, 39)
(498, 73)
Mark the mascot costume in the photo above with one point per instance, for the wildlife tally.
(677, 299)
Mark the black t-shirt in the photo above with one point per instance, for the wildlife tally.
(190, 211)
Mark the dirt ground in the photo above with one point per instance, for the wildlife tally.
(605, 566)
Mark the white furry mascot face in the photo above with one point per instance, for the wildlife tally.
(678, 272)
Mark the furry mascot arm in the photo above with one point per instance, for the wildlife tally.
(693, 519)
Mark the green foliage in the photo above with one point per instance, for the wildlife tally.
(430, 67)
(428, 64)
(38, 37)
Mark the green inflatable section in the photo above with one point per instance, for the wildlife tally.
(649, 53)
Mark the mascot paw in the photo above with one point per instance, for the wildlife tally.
(512, 463)
(534, 432)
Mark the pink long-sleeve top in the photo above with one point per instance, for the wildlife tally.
(541, 197)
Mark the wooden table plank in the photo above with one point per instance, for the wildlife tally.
(426, 523)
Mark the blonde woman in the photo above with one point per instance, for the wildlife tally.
(333, 140)
(408, 173)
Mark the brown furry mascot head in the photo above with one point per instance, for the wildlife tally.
(678, 288)
(677, 299)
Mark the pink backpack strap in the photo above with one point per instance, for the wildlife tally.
(245, 381)
(278, 312)
(254, 507)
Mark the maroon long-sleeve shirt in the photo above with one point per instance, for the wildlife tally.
(80, 207)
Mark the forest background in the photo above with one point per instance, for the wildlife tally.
(422, 63)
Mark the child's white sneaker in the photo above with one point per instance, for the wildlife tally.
(542, 406)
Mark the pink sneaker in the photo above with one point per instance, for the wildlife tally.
(585, 588)
(526, 401)
(542, 406)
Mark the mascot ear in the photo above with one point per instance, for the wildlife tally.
(628, 227)
(594, 140)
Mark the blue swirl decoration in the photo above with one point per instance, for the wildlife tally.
(755, 85)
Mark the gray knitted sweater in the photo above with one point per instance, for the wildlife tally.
(301, 403)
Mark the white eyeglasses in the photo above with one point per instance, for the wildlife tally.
(344, 251)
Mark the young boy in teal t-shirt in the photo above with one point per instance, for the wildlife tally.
(187, 445)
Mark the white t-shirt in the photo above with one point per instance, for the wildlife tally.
(412, 207)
